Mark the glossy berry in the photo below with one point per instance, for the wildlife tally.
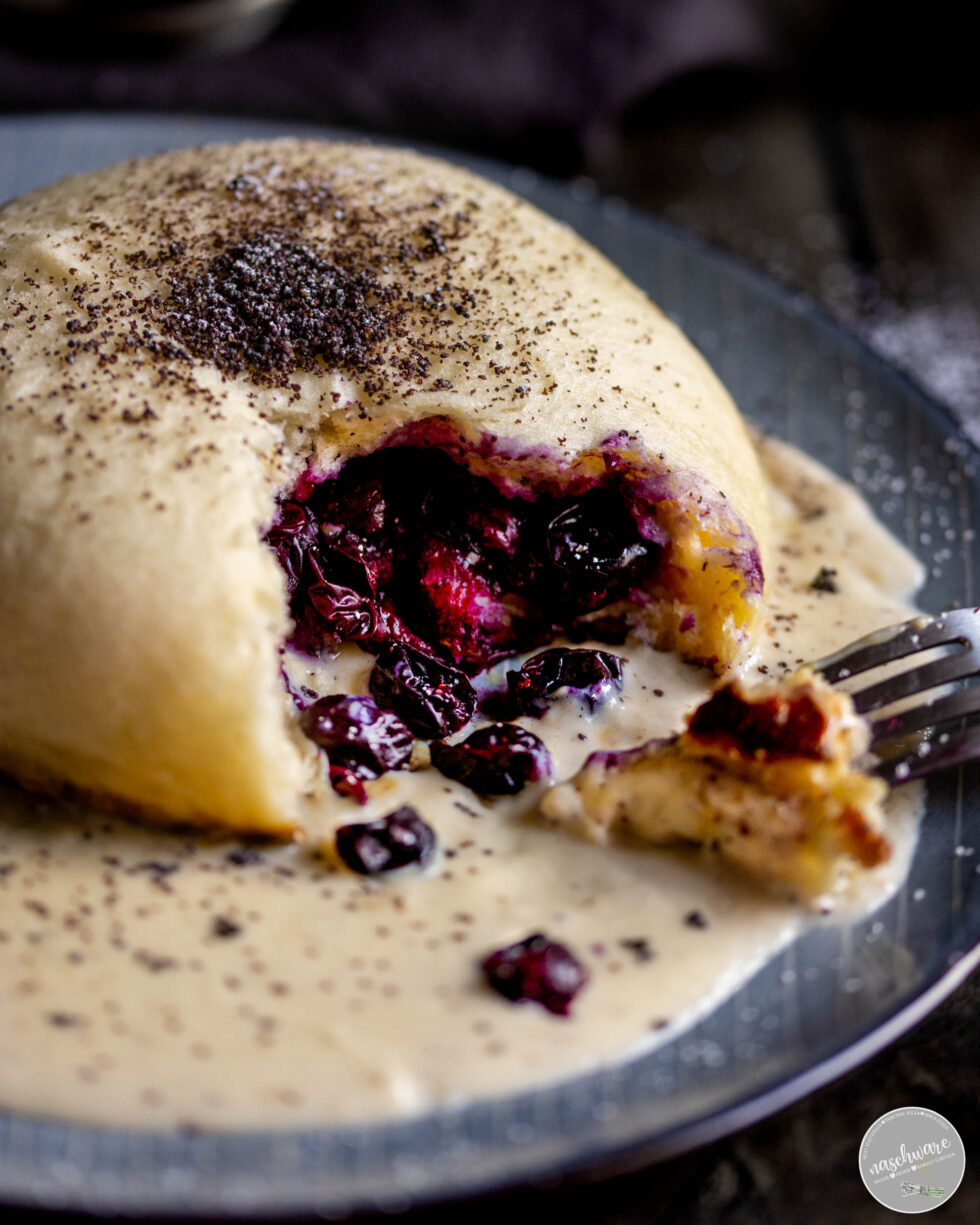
(536, 969)
(595, 539)
(497, 760)
(395, 841)
(432, 697)
(473, 518)
(357, 735)
(345, 613)
(334, 605)
(589, 674)
(290, 537)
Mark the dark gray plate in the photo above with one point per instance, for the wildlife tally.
(828, 1002)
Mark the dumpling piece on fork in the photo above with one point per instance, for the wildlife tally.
(308, 393)
(766, 777)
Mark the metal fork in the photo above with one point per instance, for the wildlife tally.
(917, 739)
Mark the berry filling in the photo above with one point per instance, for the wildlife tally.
(410, 545)
(539, 970)
(497, 760)
(394, 841)
(441, 554)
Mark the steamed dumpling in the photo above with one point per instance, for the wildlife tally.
(195, 344)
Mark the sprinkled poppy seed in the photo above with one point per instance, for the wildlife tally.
(245, 856)
(639, 946)
(224, 928)
(272, 305)
(826, 580)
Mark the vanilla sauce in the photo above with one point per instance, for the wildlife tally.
(151, 978)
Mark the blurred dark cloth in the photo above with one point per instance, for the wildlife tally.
(534, 82)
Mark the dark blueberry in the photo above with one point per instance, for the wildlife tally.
(596, 540)
(407, 547)
(433, 698)
(496, 760)
(291, 536)
(326, 564)
(345, 613)
(591, 675)
(335, 604)
(395, 841)
(366, 509)
(357, 735)
(354, 517)
(391, 629)
(536, 969)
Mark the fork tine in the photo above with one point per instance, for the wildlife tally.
(948, 683)
(930, 756)
(896, 641)
(965, 701)
(917, 680)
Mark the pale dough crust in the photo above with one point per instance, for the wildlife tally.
(141, 615)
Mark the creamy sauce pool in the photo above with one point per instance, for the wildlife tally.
(150, 979)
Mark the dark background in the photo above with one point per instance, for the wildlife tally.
(835, 145)
(832, 142)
